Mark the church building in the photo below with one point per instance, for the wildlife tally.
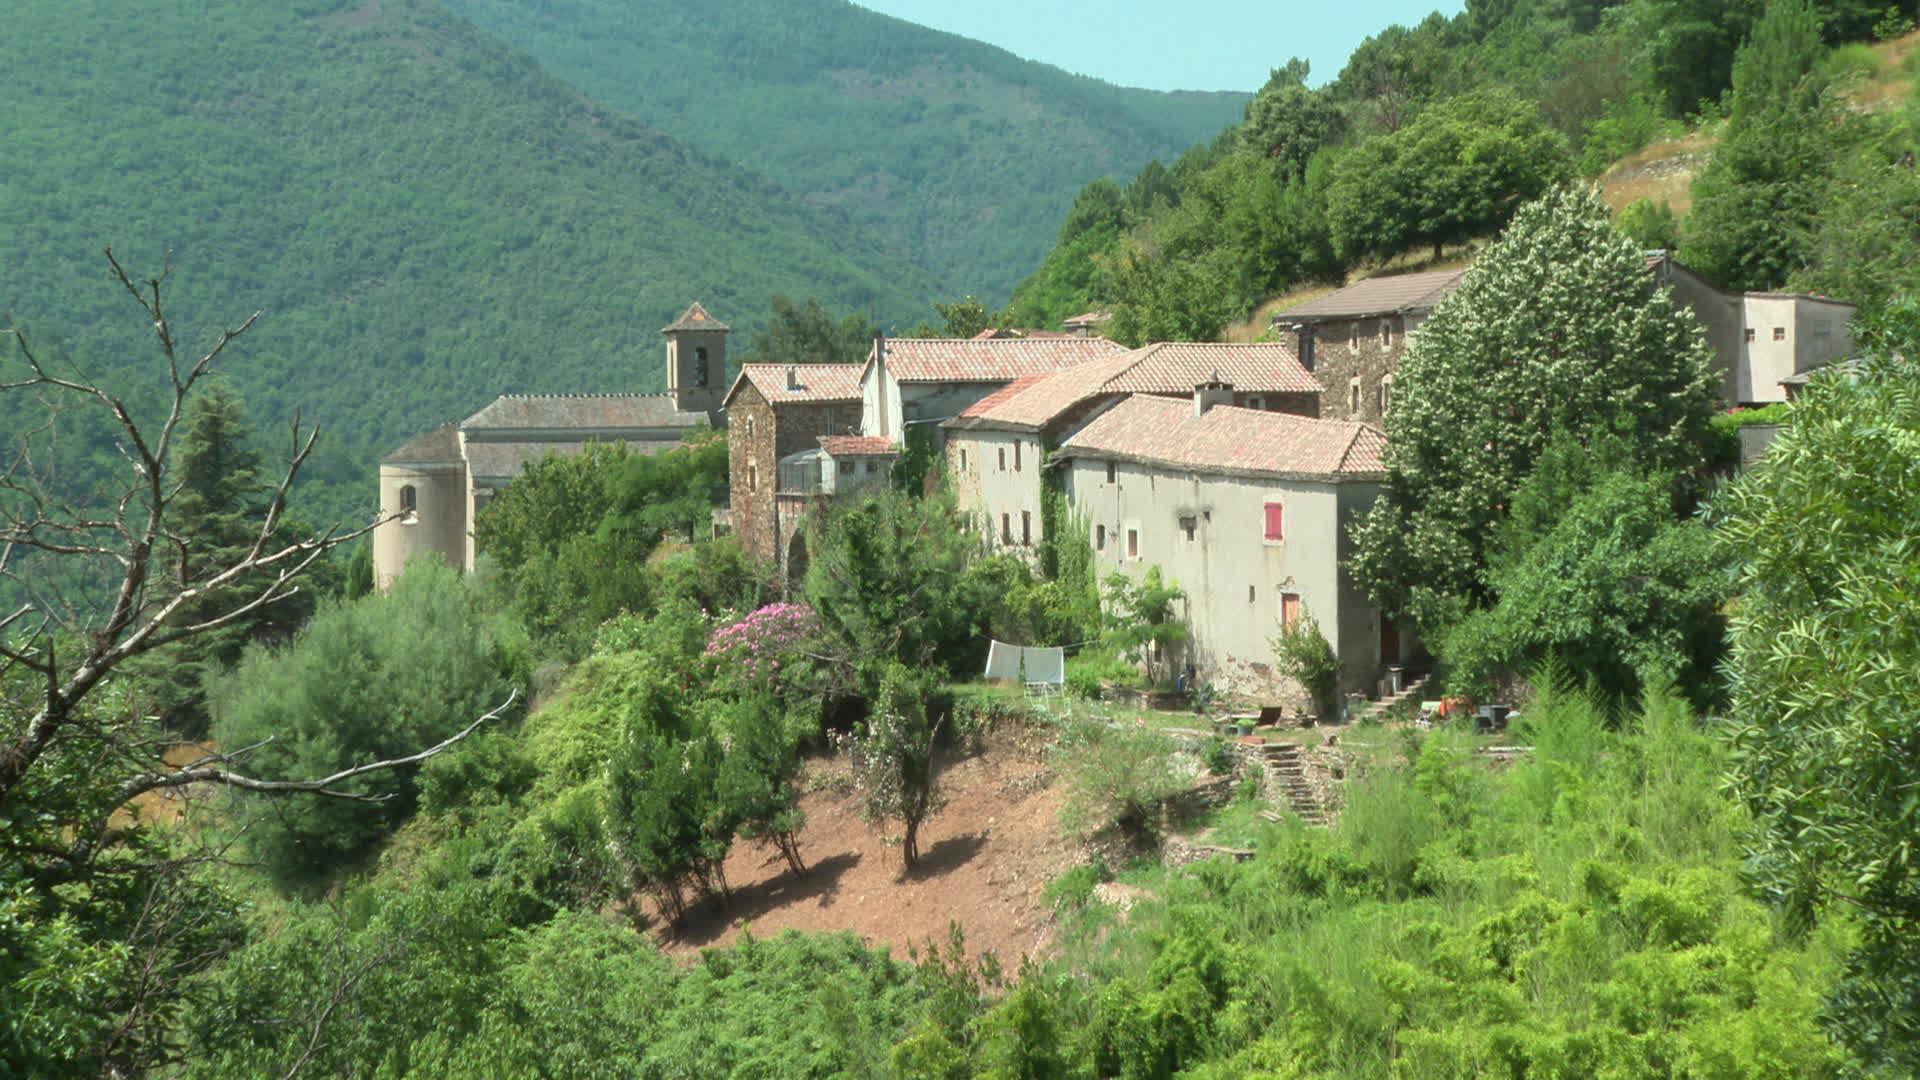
(432, 487)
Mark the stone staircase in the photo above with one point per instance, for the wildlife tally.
(1377, 710)
(1286, 782)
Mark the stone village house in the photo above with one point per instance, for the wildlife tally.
(995, 447)
(1249, 512)
(1353, 339)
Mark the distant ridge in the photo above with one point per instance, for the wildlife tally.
(426, 218)
(960, 154)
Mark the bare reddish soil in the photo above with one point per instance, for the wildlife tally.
(985, 859)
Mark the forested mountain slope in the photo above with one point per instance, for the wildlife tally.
(425, 217)
(1432, 134)
(962, 155)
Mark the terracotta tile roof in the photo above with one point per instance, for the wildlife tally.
(1088, 318)
(857, 446)
(1178, 367)
(1169, 368)
(1386, 295)
(587, 413)
(992, 360)
(1165, 431)
(1033, 402)
(694, 318)
(437, 447)
(987, 405)
(817, 382)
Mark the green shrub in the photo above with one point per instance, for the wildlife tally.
(1855, 60)
(1302, 653)
(1626, 127)
(377, 677)
(1651, 225)
(1115, 776)
(1089, 671)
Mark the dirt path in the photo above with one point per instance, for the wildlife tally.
(985, 860)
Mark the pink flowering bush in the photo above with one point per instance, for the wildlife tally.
(765, 647)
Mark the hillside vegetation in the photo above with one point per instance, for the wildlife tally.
(955, 154)
(425, 218)
(1768, 157)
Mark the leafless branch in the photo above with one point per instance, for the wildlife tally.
(326, 785)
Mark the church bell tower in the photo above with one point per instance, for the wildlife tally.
(696, 360)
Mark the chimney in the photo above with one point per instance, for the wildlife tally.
(793, 377)
(1305, 350)
(1210, 393)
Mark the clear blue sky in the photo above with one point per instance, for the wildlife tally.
(1170, 44)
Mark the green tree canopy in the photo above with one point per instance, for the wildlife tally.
(807, 333)
(1557, 329)
(376, 678)
(1825, 640)
(215, 520)
(1457, 171)
(1755, 203)
(890, 576)
(572, 535)
(1287, 123)
(1596, 574)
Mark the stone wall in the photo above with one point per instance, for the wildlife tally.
(751, 458)
(758, 436)
(1353, 350)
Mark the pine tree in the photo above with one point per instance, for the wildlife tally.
(215, 519)
(1558, 328)
(1756, 201)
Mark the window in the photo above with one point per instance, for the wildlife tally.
(1276, 521)
(1353, 396)
(749, 427)
(1006, 529)
(963, 461)
(1003, 459)
(1289, 610)
(1386, 333)
(1133, 543)
(1353, 335)
(1749, 335)
(1026, 529)
(1385, 394)
(1250, 594)
(1256, 402)
(868, 468)
(1099, 538)
(1188, 525)
(1109, 472)
(1016, 457)
(846, 468)
(1779, 333)
(700, 367)
(753, 477)
(409, 503)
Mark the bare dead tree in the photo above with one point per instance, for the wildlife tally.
(69, 652)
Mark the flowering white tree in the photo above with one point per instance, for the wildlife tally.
(1558, 328)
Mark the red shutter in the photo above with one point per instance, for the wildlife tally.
(1276, 521)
